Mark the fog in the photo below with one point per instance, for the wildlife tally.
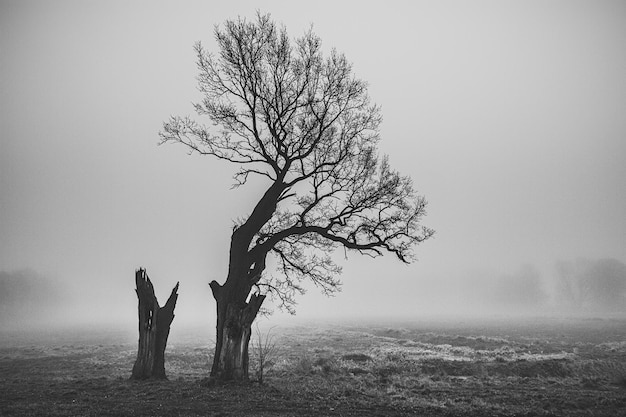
(579, 288)
(509, 117)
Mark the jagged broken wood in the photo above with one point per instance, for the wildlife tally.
(154, 328)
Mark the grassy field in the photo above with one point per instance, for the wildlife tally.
(543, 367)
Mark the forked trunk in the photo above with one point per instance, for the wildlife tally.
(154, 329)
(234, 328)
(236, 306)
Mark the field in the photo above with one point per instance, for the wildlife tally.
(541, 367)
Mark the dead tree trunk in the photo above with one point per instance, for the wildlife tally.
(234, 328)
(154, 328)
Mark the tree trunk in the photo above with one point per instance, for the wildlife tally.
(154, 329)
(234, 328)
(236, 306)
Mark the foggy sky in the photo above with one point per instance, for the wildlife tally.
(509, 117)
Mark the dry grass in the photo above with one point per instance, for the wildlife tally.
(545, 369)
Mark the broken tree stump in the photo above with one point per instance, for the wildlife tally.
(154, 328)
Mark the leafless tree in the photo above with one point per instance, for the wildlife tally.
(282, 111)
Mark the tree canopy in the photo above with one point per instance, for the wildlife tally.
(281, 110)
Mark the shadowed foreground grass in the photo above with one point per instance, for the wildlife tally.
(547, 368)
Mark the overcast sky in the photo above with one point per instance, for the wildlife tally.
(509, 116)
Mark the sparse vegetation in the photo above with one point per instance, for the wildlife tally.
(264, 351)
(349, 371)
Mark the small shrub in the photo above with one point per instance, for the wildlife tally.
(264, 349)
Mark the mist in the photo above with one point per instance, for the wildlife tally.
(508, 117)
(579, 288)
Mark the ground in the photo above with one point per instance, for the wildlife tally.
(539, 367)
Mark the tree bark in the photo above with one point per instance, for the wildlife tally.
(236, 306)
(234, 328)
(154, 329)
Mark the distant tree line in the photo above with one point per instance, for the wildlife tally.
(25, 297)
(598, 285)
(582, 285)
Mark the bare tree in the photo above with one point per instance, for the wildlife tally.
(282, 111)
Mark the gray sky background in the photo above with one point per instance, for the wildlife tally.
(509, 116)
